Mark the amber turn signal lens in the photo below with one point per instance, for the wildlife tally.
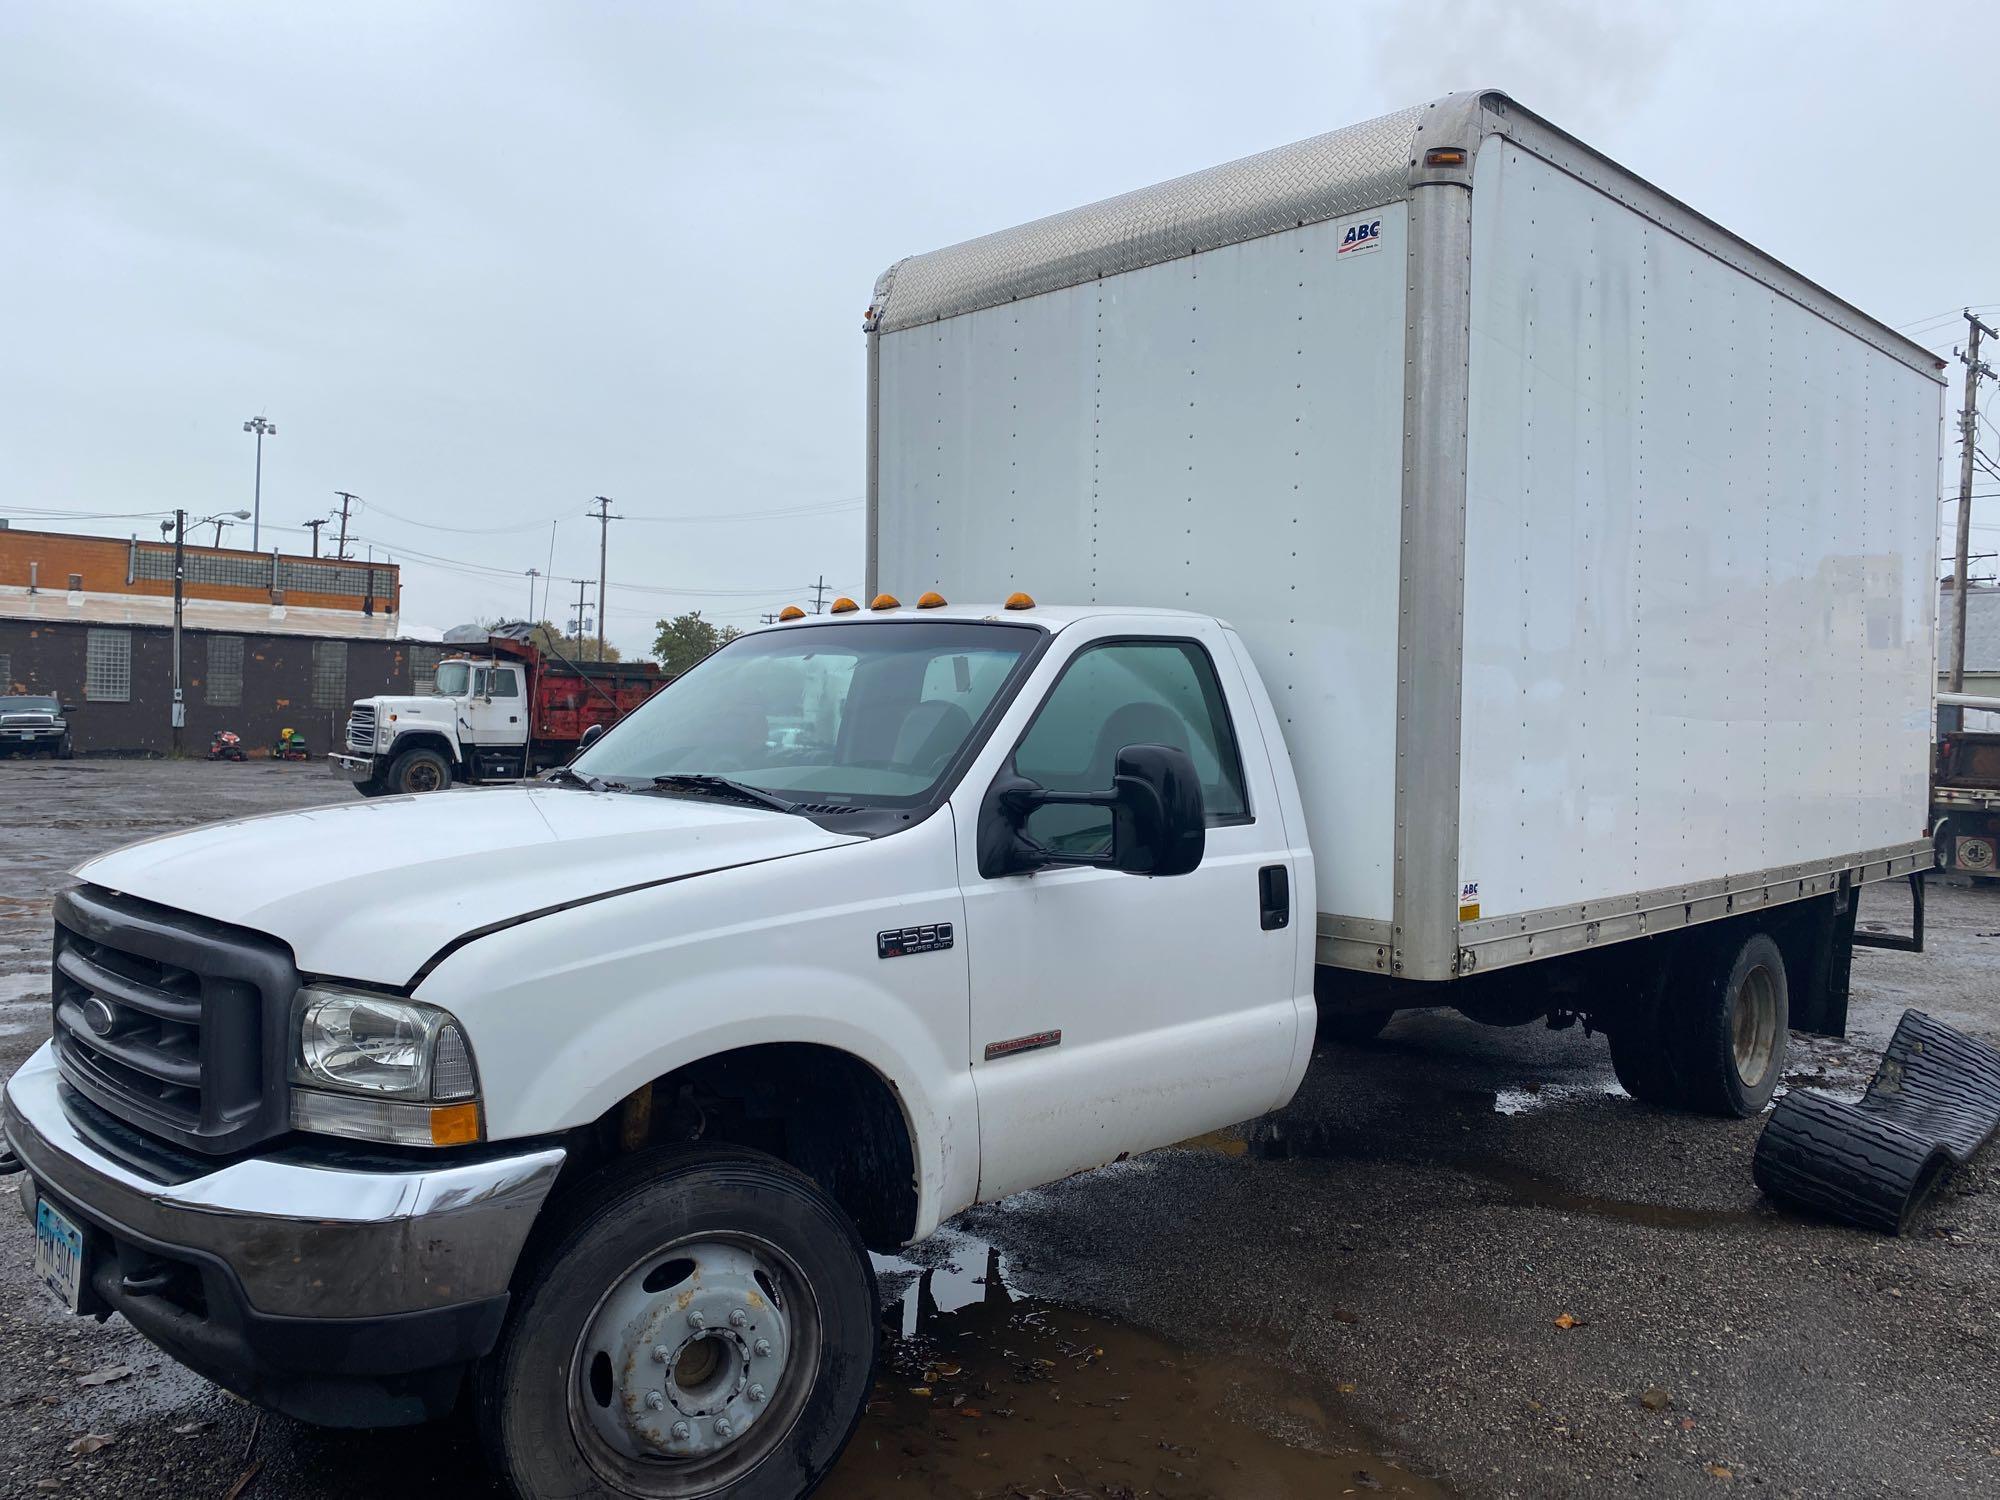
(1449, 156)
(791, 612)
(844, 605)
(931, 600)
(454, 1124)
(885, 601)
(1019, 600)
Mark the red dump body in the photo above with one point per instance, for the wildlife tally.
(566, 699)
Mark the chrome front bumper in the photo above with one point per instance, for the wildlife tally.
(353, 767)
(302, 1239)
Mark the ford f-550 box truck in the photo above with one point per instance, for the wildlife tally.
(1572, 561)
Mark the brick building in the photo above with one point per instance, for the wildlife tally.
(268, 641)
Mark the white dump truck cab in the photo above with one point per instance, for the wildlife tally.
(473, 722)
(588, 1097)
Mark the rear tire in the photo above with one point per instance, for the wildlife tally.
(419, 770)
(1734, 1025)
(754, 1400)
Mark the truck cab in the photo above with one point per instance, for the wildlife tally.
(588, 1097)
(471, 726)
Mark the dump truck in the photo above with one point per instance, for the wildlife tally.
(504, 710)
(1425, 565)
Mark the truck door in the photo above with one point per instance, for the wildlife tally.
(497, 712)
(1113, 1013)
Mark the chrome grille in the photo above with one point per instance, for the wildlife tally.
(361, 729)
(171, 1022)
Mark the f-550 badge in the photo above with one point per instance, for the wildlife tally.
(901, 942)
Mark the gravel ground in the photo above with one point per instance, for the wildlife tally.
(1383, 1263)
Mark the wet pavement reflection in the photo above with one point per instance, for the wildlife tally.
(987, 1394)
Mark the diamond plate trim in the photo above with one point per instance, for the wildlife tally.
(1342, 172)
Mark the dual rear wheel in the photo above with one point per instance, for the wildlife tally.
(1710, 1033)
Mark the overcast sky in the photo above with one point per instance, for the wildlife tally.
(483, 261)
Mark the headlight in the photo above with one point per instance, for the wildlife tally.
(382, 1068)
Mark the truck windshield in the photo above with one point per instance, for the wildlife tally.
(451, 679)
(869, 715)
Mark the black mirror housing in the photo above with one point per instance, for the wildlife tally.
(592, 733)
(1158, 823)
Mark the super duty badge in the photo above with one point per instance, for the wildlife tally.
(900, 942)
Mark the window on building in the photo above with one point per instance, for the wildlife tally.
(423, 668)
(6, 673)
(107, 671)
(225, 670)
(330, 674)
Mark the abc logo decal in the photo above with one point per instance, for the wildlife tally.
(1361, 238)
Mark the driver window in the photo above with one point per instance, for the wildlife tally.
(505, 684)
(1127, 693)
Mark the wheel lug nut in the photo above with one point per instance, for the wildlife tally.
(762, 1348)
(696, 1320)
(723, 1428)
(737, 1318)
(756, 1393)
(654, 1400)
(682, 1432)
(660, 1354)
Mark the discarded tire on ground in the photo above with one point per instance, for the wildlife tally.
(1933, 1102)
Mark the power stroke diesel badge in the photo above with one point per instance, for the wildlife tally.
(901, 942)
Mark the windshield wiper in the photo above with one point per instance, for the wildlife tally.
(577, 778)
(703, 782)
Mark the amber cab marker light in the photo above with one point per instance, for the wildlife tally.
(931, 599)
(844, 606)
(885, 601)
(791, 612)
(1445, 156)
(454, 1124)
(1018, 600)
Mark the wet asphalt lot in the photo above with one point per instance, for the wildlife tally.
(1358, 1295)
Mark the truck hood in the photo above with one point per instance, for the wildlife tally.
(371, 890)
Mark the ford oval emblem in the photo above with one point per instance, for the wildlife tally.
(98, 1017)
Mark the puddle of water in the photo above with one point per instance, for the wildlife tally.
(987, 1395)
(1534, 1096)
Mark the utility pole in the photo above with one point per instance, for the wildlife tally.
(604, 518)
(313, 526)
(582, 620)
(345, 500)
(533, 574)
(263, 429)
(1968, 430)
(218, 523)
(819, 596)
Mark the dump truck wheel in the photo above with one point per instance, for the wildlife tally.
(703, 1323)
(420, 771)
(1730, 1026)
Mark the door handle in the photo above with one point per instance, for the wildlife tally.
(1274, 897)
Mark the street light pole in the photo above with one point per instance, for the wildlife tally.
(263, 429)
(180, 704)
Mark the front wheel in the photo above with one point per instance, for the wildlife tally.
(704, 1325)
(419, 771)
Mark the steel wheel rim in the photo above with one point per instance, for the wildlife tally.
(728, 1315)
(422, 777)
(1753, 1026)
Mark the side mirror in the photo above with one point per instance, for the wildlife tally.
(1158, 826)
(592, 733)
(70, 708)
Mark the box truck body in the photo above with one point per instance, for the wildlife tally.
(1586, 549)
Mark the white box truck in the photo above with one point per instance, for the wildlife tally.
(1568, 670)
(1586, 550)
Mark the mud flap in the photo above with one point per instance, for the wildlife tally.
(1933, 1102)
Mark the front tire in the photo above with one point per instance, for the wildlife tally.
(419, 770)
(1737, 1024)
(703, 1325)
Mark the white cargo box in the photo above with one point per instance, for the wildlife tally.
(1588, 552)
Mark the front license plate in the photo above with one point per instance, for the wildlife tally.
(22, 734)
(59, 1254)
